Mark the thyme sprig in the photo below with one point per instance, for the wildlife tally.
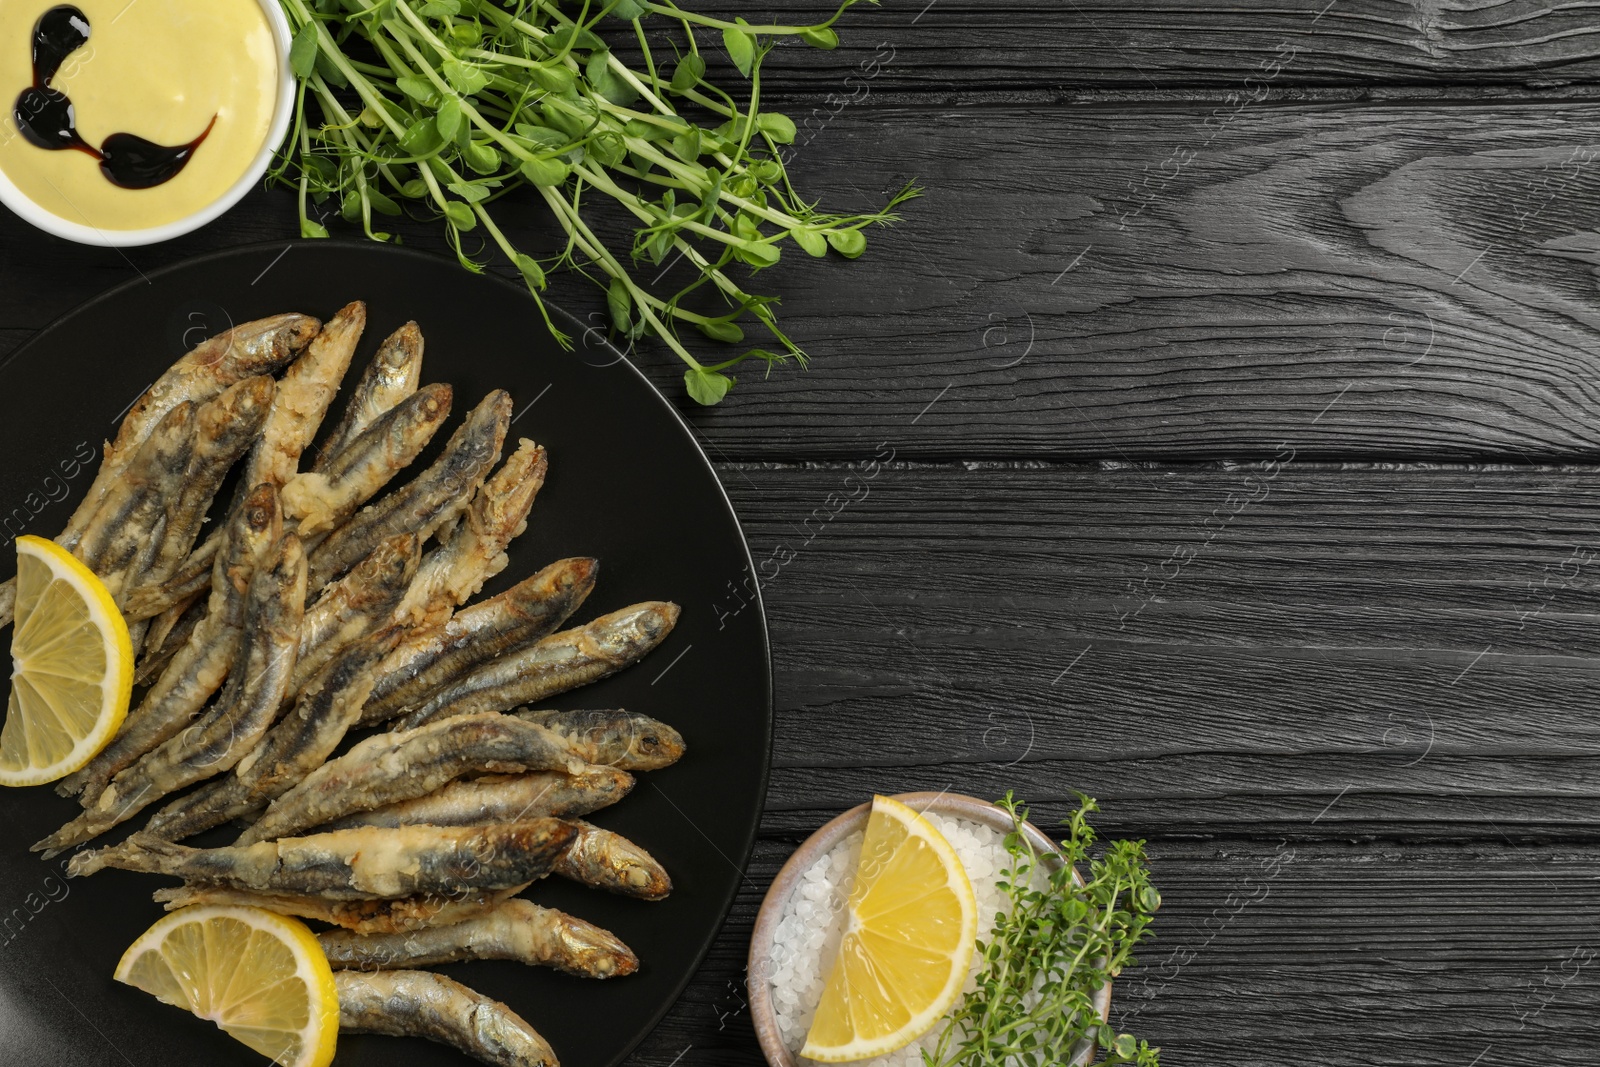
(1051, 952)
(448, 105)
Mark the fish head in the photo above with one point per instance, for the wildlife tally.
(653, 744)
(634, 631)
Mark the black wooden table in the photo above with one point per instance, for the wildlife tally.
(1223, 425)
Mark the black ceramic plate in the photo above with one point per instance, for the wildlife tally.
(627, 484)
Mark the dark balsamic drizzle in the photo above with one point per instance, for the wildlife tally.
(46, 117)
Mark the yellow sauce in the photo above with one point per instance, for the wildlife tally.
(156, 68)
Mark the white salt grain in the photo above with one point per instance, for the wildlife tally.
(813, 918)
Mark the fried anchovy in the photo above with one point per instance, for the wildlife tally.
(296, 745)
(390, 378)
(607, 860)
(169, 632)
(424, 1004)
(130, 515)
(476, 549)
(358, 604)
(323, 499)
(303, 396)
(553, 665)
(615, 738)
(200, 666)
(358, 916)
(503, 797)
(259, 347)
(257, 682)
(430, 500)
(516, 930)
(354, 864)
(429, 658)
(224, 429)
(388, 768)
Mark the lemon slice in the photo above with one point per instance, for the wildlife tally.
(71, 667)
(907, 945)
(261, 977)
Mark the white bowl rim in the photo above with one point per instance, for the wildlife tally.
(283, 110)
(758, 991)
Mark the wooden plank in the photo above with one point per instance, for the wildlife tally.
(1268, 954)
(1404, 281)
(1380, 282)
(1295, 651)
(968, 45)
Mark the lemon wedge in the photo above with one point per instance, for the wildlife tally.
(259, 976)
(71, 667)
(911, 925)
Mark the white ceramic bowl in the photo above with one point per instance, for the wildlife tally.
(819, 844)
(282, 112)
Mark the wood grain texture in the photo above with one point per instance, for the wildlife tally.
(970, 45)
(1375, 282)
(1271, 953)
(1303, 651)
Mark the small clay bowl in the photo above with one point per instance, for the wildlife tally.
(819, 844)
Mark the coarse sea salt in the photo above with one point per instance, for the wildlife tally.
(813, 919)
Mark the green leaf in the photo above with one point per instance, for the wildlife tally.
(757, 254)
(414, 188)
(350, 206)
(607, 149)
(741, 48)
(620, 303)
(447, 120)
(532, 273)
(481, 159)
(573, 36)
(543, 135)
(382, 204)
(629, 10)
(312, 228)
(460, 215)
(727, 332)
(469, 192)
(706, 387)
(438, 9)
(303, 52)
(848, 243)
(421, 137)
(466, 79)
(607, 82)
(810, 240)
(645, 131)
(555, 77)
(330, 73)
(687, 145)
(545, 171)
(777, 126)
(820, 37)
(766, 171)
(687, 74)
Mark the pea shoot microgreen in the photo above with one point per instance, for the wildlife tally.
(447, 105)
(1051, 951)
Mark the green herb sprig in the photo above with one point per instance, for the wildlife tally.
(1051, 952)
(449, 105)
